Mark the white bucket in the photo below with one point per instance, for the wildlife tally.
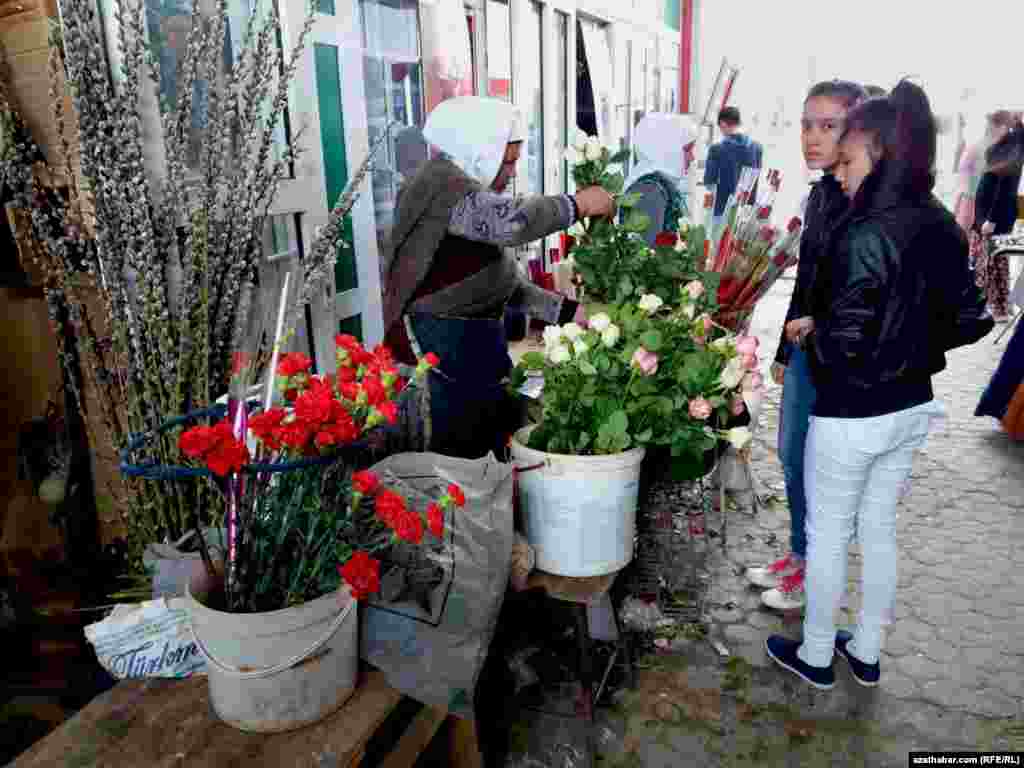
(281, 670)
(579, 512)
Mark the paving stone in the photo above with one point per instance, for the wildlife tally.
(939, 651)
(764, 621)
(921, 668)
(899, 685)
(745, 635)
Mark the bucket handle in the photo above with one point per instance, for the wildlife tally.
(277, 668)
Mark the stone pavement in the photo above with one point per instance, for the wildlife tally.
(953, 660)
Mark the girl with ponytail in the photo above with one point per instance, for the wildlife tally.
(893, 294)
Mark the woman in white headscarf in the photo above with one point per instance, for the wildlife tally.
(664, 151)
(447, 279)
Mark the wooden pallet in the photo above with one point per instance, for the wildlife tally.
(148, 723)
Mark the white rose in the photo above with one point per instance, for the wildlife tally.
(599, 322)
(610, 336)
(594, 150)
(580, 140)
(559, 354)
(739, 437)
(580, 348)
(650, 303)
(577, 230)
(571, 331)
(552, 336)
(733, 374)
(723, 344)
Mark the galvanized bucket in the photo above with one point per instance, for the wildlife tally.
(281, 670)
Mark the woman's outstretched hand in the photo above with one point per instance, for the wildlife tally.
(595, 202)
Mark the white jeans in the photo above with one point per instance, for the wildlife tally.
(855, 472)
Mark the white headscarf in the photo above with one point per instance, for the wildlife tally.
(660, 140)
(473, 132)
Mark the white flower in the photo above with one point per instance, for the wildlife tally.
(695, 288)
(610, 335)
(552, 336)
(571, 331)
(680, 245)
(580, 348)
(599, 322)
(724, 344)
(593, 150)
(579, 140)
(573, 156)
(650, 303)
(577, 230)
(733, 374)
(739, 437)
(559, 354)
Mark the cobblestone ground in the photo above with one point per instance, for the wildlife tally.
(953, 660)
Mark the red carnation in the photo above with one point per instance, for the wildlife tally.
(362, 574)
(344, 430)
(346, 374)
(198, 441)
(349, 390)
(389, 410)
(264, 426)
(348, 342)
(666, 240)
(383, 355)
(295, 434)
(432, 360)
(456, 495)
(230, 455)
(293, 363)
(314, 406)
(365, 482)
(409, 527)
(390, 506)
(435, 520)
(374, 389)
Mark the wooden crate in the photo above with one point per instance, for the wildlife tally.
(148, 723)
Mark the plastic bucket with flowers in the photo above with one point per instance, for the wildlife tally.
(305, 527)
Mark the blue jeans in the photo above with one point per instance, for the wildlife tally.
(798, 396)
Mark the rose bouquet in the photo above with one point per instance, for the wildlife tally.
(302, 515)
(644, 374)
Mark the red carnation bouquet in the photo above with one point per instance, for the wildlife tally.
(302, 517)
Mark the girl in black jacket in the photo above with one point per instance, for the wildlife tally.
(893, 294)
(821, 126)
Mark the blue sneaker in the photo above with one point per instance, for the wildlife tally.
(865, 674)
(783, 652)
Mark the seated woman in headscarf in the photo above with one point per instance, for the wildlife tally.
(664, 151)
(447, 280)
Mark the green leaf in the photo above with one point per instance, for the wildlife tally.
(630, 200)
(532, 361)
(618, 422)
(614, 182)
(587, 369)
(645, 436)
(625, 285)
(651, 340)
(637, 222)
(619, 157)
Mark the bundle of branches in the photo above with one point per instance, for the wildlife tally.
(176, 257)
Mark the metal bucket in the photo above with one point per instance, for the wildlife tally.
(281, 670)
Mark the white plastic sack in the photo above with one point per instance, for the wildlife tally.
(151, 639)
(433, 649)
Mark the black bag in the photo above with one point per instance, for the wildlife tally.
(972, 320)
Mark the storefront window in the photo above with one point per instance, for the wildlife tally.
(653, 81)
(499, 50)
(599, 64)
(530, 100)
(670, 78)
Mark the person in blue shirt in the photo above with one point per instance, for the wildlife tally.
(728, 157)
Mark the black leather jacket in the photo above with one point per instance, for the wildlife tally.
(895, 293)
(825, 205)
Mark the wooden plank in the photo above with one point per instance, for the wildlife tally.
(148, 723)
(415, 739)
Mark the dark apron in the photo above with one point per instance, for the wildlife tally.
(470, 412)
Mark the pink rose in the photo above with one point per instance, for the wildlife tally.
(646, 361)
(753, 382)
(738, 406)
(749, 362)
(747, 345)
(700, 408)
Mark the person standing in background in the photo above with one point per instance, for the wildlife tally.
(996, 208)
(728, 157)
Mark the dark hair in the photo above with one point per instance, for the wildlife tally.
(874, 91)
(845, 91)
(1003, 117)
(729, 116)
(1006, 156)
(902, 133)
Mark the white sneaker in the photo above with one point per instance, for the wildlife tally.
(789, 595)
(770, 576)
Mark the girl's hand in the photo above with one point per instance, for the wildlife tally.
(988, 228)
(778, 372)
(797, 330)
